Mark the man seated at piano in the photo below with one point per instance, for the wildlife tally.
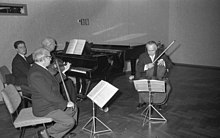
(50, 44)
(149, 68)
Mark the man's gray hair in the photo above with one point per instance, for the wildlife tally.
(39, 54)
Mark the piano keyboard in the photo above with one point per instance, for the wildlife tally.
(105, 50)
(80, 70)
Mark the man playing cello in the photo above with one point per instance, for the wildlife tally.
(153, 64)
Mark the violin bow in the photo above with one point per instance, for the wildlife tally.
(64, 85)
(164, 51)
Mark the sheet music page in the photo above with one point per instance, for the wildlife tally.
(76, 46)
(156, 85)
(141, 85)
(80, 44)
(71, 46)
(102, 93)
(92, 94)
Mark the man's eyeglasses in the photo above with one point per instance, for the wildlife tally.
(48, 57)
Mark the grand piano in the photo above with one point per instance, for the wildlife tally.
(101, 61)
(130, 52)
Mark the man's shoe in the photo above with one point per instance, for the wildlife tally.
(42, 134)
(159, 107)
(106, 109)
(70, 135)
(141, 105)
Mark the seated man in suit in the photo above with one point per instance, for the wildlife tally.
(20, 63)
(47, 100)
(20, 67)
(50, 44)
(146, 69)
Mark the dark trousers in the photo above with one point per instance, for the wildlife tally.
(64, 121)
(26, 95)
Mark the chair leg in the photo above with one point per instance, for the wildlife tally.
(22, 132)
(45, 128)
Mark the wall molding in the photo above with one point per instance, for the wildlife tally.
(197, 66)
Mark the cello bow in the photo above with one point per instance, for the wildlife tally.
(164, 51)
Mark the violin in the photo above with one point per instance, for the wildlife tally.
(53, 67)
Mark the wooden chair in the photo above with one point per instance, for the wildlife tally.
(24, 117)
(7, 77)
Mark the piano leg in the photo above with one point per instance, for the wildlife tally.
(133, 66)
(80, 84)
(83, 86)
(87, 87)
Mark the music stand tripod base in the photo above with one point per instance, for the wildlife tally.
(147, 115)
(149, 86)
(93, 121)
(98, 95)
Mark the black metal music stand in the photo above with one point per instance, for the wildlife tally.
(150, 86)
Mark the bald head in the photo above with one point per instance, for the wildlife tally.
(49, 44)
(151, 47)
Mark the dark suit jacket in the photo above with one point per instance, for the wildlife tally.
(20, 69)
(144, 59)
(46, 95)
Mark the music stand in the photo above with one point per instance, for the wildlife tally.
(150, 86)
(100, 95)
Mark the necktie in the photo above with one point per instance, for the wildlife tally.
(25, 58)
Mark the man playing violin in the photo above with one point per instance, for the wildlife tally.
(47, 100)
(149, 68)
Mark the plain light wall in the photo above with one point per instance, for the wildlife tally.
(194, 26)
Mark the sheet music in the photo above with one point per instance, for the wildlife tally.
(141, 85)
(76, 46)
(156, 85)
(102, 93)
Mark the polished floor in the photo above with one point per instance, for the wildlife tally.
(192, 110)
